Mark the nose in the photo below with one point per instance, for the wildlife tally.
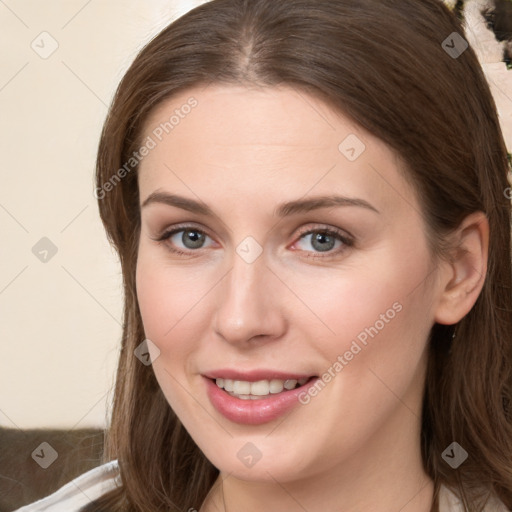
(249, 303)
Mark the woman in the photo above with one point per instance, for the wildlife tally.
(308, 199)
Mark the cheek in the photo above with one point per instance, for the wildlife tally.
(169, 298)
(375, 322)
(176, 306)
(170, 301)
(385, 293)
(381, 321)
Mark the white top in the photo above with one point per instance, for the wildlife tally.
(89, 486)
(80, 491)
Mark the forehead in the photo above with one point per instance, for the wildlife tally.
(275, 139)
(244, 114)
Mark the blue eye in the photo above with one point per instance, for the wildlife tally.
(192, 238)
(323, 240)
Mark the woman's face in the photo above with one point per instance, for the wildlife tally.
(277, 280)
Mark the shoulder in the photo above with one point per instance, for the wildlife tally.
(448, 502)
(80, 491)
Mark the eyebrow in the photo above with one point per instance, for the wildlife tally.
(283, 210)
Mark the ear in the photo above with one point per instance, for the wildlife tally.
(463, 277)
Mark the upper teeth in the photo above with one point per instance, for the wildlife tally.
(259, 388)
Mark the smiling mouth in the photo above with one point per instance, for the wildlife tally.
(261, 389)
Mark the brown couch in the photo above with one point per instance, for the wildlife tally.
(23, 457)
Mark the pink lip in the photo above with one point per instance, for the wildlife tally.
(254, 375)
(254, 412)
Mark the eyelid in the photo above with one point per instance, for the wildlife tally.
(342, 233)
(179, 227)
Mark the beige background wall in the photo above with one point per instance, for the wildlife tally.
(60, 319)
(61, 313)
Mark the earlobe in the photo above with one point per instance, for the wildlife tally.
(464, 278)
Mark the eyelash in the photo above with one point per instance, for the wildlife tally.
(346, 240)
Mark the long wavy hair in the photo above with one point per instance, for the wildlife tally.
(389, 66)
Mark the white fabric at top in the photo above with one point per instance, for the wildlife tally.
(80, 491)
(450, 503)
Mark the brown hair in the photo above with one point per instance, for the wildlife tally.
(383, 64)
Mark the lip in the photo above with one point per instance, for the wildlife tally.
(254, 412)
(254, 375)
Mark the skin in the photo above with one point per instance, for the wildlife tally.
(243, 151)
